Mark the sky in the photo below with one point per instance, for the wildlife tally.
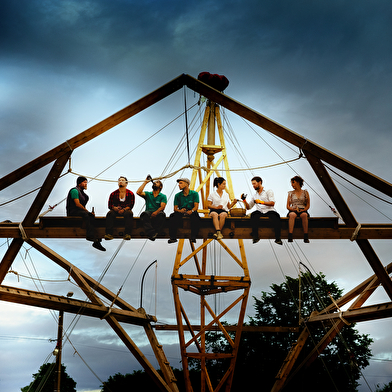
(321, 69)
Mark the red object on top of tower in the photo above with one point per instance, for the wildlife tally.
(218, 82)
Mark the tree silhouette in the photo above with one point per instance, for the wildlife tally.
(45, 378)
(260, 356)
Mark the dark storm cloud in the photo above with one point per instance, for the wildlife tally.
(323, 69)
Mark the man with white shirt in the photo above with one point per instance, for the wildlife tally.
(264, 202)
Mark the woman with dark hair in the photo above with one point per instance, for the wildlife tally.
(219, 205)
(298, 204)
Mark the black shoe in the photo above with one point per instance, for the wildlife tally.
(193, 240)
(152, 237)
(306, 238)
(171, 241)
(256, 240)
(290, 237)
(97, 245)
(278, 241)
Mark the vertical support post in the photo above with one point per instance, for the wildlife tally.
(59, 348)
(203, 284)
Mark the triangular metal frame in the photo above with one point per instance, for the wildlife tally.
(315, 154)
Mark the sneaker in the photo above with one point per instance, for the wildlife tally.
(108, 237)
(97, 245)
(219, 236)
(306, 240)
(171, 241)
(215, 235)
(290, 238)
(278, 241)
(127, 237)
(152, 237)
(256, 240)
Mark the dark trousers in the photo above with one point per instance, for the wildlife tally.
(176, 219)
(89, 221)
(273, 216)
(154, 224)
(111, 216)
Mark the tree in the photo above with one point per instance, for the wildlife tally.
(44, 380)
(385, 388)
(261, 355)
(140, 381)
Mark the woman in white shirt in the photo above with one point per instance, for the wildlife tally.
(219, 205)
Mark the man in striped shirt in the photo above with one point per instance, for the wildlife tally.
(121, 202)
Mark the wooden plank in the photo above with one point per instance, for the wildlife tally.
(289, 362)
(230, 328)
(235, 228)
(9, 256)
(79, 275)
(46, 189)
(350, 221)
(70, 305)
(364, 313)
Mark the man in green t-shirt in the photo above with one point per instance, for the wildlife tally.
(153, 218)
(186, 203)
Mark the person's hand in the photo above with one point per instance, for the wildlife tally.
(243, 197)
(121, 211)
(189, 212)
(220, 207)
(235, 201)
(154, 214)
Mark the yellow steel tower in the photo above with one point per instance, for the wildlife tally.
(202, 282)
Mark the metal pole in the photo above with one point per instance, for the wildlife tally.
(141, 287)
(59, 348)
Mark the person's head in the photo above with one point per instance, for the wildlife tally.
(183, 183)
(219, 182)
(81, 182)
(122, 182)
(297, 179)
(257, 182)
(157, 185)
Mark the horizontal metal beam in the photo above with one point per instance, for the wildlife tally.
(56, 302)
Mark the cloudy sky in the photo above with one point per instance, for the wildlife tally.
(322, 69)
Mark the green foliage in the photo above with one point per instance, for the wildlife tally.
(385, 388)
(45, 378)
(261, 355)
(141, 381)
